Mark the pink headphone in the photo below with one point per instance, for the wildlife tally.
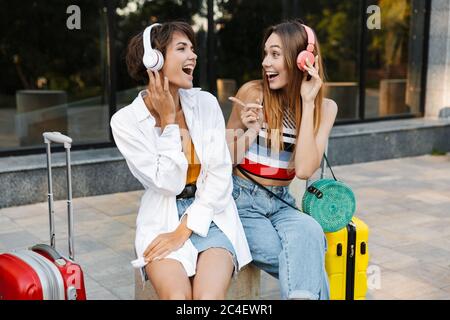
(308, 53)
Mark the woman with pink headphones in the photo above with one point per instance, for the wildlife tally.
(278, 130)
(189, 239)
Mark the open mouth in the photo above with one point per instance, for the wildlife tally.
(271, 75)
(189, 70)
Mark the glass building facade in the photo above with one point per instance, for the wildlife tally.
(58, 78)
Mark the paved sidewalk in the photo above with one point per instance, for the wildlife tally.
(405, 202)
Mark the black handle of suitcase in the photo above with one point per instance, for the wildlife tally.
(57, 137)
(47, 249)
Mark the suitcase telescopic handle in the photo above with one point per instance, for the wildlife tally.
(57, 137)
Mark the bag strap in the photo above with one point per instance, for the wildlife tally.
(263, 187)
(329, 166)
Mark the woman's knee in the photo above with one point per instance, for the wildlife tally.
(313, 228)
(214, 271)
(169, 280)
(304, 229)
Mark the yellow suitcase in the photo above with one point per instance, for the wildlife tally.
(346, 261)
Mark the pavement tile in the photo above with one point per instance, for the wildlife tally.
(425, 252)
(82, 215)
(102, 264)
(430, 197)
(443, 243)
(101, 198)
(426, 294)
(102, 228)
(351, 179)
(109, 268)
(26, 211)
(124, 292)
(85, 244)
(99, 258)
(39, 226)
(388, 238)
(91, 285)
(7, 225)
(379, 295)
(402, 287)
(438, 225)
(439, 211)
(390, 259)
(437, 276)
(122, 242)
(101, 294)
(435, 294)
(117, 280)
(446, 289)
(18, 240)
(414, 233)
(128, 220)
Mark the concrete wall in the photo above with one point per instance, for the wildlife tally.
(23, 180)
(438, 77)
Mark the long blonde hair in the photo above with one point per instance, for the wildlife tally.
(294, 39)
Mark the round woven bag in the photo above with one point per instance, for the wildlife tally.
(330, 202)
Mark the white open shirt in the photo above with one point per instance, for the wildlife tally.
(157, 160)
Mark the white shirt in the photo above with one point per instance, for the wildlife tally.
(157, 160)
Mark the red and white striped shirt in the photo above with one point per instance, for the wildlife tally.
(263, 162)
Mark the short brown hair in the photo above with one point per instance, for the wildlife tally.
(161, 37)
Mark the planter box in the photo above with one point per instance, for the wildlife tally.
(39, 111)
(346, 96)
(226, 88)
(393, 97)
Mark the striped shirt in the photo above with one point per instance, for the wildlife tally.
(263, 162)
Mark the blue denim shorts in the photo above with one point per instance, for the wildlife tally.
(215, 238)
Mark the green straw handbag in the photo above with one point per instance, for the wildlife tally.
(330, 202)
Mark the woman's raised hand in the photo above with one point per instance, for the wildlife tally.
(252, 115)
(162, 100)
(310, 88)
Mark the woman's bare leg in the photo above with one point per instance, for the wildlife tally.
(213, 276)
(169, 279)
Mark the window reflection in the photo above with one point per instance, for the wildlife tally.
(52, 78)
(394, 59)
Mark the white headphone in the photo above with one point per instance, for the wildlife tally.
(152, 59)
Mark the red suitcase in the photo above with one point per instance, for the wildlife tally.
(41, 273)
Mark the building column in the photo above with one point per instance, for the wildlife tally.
(438, 77)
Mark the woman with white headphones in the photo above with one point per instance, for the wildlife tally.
(279, 128)
(189, 238)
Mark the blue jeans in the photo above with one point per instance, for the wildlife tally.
(285, 243)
